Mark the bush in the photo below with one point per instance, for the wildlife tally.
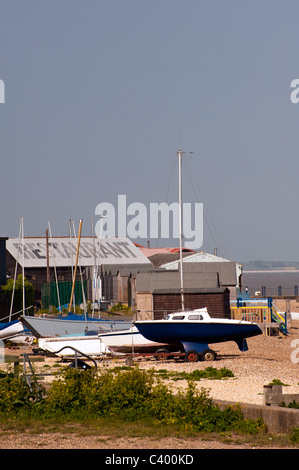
(126, 394)
(295, 436)
(15, 394)
(18, 293)
(208, 373)
(120, 307)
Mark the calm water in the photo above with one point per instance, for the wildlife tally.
(271, 280)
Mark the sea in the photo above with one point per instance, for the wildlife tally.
(280, 282)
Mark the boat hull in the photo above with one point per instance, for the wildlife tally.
(132, 341)
(43, 327)
(10, 329)
(201, 334)
(67, 347)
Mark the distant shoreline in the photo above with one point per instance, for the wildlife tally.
(279, 270)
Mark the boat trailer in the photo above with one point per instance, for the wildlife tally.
(189, 356)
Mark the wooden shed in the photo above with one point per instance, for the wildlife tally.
(158, 293)
(217, 301)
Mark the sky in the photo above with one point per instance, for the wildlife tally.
(101, 94)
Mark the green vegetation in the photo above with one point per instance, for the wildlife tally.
(18, 293)
(278, 382)
(129, 395)
(124, 309)
(126, 399)
(295, 436)
(293, 404)
(208, 373)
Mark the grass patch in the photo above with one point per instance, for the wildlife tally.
(278, 382)
(208, 373)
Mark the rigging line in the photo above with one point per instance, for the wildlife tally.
(55, 270)
(213, 234)
(15, 275)
(219, 243)
(80, 272)
(71, 248)
(167, 194)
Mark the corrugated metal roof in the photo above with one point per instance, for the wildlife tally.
(160, 259)
(125, 269)
(199, 290)
(148, 251)
(62, 251)
(196, 275)
(227, 271)
(199, 256)
(149, 282)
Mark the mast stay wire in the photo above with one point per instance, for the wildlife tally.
(218, 243)
(210, 224)
(167, 194)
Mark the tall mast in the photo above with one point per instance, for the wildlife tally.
(180, 153)
(77, 256)
(23, 262)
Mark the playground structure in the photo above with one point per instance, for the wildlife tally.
(263, 312)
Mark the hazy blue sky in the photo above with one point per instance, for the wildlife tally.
(101, 93)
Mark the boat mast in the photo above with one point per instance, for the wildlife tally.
(23, 262)
(180, 153)
(55, 270)
(74, 277)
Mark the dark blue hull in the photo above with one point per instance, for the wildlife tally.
(197, 335)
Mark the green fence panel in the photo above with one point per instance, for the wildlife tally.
(50, 296)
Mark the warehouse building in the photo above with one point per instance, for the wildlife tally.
(118, 270)
(158, 292)
(105, 266)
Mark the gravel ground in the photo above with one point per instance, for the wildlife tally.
(268, 358)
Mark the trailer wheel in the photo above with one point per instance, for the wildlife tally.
(191, 356)
(161, 351)
(208, 355)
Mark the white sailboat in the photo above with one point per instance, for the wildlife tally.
(13, 330)
(66, 346)
(195, 329)
(71, 323)
(132, 341)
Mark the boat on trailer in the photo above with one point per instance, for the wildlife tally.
(68, 346)
(10, 329)
(195, 329)
(71, 324)
(131, 341)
